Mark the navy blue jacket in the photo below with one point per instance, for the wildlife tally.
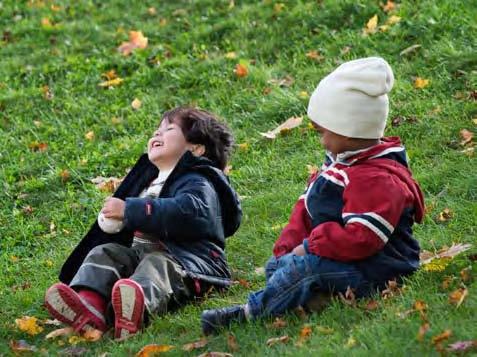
(196, 210)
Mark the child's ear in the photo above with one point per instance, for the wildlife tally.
(197, 149)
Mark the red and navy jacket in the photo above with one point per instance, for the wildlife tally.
(360, 208)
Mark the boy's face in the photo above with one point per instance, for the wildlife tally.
(167, 145)
(331, 141)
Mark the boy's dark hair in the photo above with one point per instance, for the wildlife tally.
(202, 127)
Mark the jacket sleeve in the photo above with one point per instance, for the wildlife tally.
(372, 209)
(189, 214)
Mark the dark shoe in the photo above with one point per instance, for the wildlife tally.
(213, 320)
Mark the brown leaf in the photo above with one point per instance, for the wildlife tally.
(301, 313)
(27, 210)
(371, 305)
(65, 175)
(136, 40)
(389, 6)
(92, 334)
(423, 330)
(348, 297)
(65, 331)
(36, 146)
(441, 337)
(305, 334)
(457, 296)
(47, 93)
(29, 325)
(465, 274)
(420, 306)
(241, 70)
(391, 290)
(315, 55)
(107, 184)
(243, 283)
(110, 75)
(232, 343)
(279, 323)
(89, 135)
(274, 340)
(23, 286)
(446, 282)
(195, 345)
(446, 252)
(289, 124)
(21, 346)
(150, 350)
(286, 81)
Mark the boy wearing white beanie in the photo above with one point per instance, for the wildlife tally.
(352, 226)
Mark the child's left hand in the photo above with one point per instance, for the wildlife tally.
(299, 250)
(113, 208)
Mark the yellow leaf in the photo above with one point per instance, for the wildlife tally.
(49, 263)
(195, 345)
(74, 340)
(457, 297)
(163, 22)
(46, 23)
(392, 20)
(303, 94)
(112, 82)
(149, 350)
(152, 11)
(278, 7)
(351, 342)
(107, 184)
(474, 121)
(136, 40)
(325, 330)
(371, 25)
(437, 264)
(445, 215)
(14, 259)
(89, 135)
(136, 104)
(420, 83)
(231, 55)
(289, 124)
(244, 146)
(92, 334)
(29, 325)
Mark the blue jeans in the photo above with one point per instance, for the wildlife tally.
(292, 280)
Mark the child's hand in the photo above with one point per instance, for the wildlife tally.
(113, 208)
(299, 250)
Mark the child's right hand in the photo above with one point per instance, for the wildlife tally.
(109, 225)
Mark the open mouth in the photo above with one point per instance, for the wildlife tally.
(156, 144)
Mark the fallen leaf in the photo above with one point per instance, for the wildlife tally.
(392, 20)
(278, 7)
(446, 282)
(315, 55)
(260, 271)
(286, 81)
(244, 146)
(232, 343)
(107, 184)
(47, 93)
(231, 55)
(89, 135)
(27, 210)
(162, 23)
(351, 342)
(150, 350)
(466, 136)
(457, 297)
(23, 286)
(371, 25)
(65, 175)
(345, 50)
(371, 305)
(152, 11)
(215, 354)
(420, 306)
(445, 252)
(325, 330)
(305, 334)
(21, 346)
(241, 70)
(304, 94)
(50, 322)
(92, 335)
(136, 104)
(74, 340)
(194, 345)
(438, 264)
(474, 121)
(73, 351)
(441, 337)
(422, 331)
(391, 290)
(111, 83)
(462, 346)
(289, 124)
(136, 40)
(465, 274)
(420, 83)
(279, 323)
(348, 297)
(65, 331)
(389, 6)
(274, 340)
(301, 313)
(243, 283)
(29, 325)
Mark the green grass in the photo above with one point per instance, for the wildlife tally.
(70, 58)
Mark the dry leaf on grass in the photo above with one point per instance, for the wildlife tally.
(391, 290)
(289, 124)
(241, 70)
(422, 331)
(21, 346)
(305, 334)
(232, 343)
(466, 136)
(279, 323)
(136, 40)
(427, 257)
(107, 184)
(462, 346)
(111, 83)
(215, 354)
(29, 324)
(420, 83)
(194, 345)
(457, 297)
(441, 337)
(150, 350)
(274, 340)
(136, 104)
(286, 81)
(65, 331)
(371, 25)
(348, 297)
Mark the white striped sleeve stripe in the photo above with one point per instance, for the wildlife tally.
(374, 215)
(341, 173)
(371, 226)
(333, 179)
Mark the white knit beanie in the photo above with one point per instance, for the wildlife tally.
(352, 100)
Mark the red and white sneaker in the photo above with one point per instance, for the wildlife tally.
(65, 305)
(127, 298)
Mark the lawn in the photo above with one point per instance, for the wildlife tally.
(60, 129)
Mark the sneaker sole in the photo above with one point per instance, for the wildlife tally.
(66, 306)
(128, 303)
